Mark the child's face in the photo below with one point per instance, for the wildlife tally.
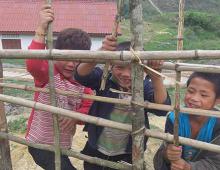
(200, 94)
(66, 68)
(122, 74)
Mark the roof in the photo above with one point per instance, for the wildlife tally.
(93, 16)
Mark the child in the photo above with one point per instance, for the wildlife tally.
(40, 124)
(203, 92)
(108, 143)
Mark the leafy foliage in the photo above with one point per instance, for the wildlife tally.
(18, 125)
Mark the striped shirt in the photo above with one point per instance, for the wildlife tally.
(113, 141)
(40, 123)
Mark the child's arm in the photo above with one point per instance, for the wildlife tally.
(37, 68)
(108, 44)
(160, 93)
(86, 104)
(85, 72)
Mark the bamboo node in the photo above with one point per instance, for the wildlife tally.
(196, 54)
(50, 54)
(180, 38)
(121, 56)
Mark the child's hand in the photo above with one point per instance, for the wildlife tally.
(109, 43)
(173, 153)
(155, 64)
(180, 165)
(46, 16)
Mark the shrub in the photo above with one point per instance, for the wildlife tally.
(18, 125)
(206, 21)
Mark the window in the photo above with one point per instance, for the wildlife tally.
(11, 43)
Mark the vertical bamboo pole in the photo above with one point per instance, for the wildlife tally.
(180, 25)
(53, 98)
(177, 109)
(115, 34)
(178, 73)
(5, 156)
(138, 126)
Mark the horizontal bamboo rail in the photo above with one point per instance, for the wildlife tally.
(147, 105)
(103, 56)
(68, 152)
(63, 112)
(112, 124)
(191, 67)
(184, 141)
(66, 93)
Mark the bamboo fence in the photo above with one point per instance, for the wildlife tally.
(137, 128)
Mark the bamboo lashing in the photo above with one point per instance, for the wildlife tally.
(114, 34)
(53, 97)
(178, 74)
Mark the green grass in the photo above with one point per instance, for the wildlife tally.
(160, 33)
(18, 125)
(17, 92)
(16, 62)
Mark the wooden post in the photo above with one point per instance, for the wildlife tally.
(178, 73)
(5, 156)
(53, 98)
(138, 126)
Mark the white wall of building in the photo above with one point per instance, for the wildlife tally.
(26, 40)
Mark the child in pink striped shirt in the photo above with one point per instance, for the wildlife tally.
(40, 124)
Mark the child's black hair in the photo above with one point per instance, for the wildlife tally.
(73, 39)
(213, 78)
(124, 46)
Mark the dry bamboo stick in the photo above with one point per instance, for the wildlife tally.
(177, 109)
(182, 109)
(114, 34)
(68, 152)
(178, 74)
(64, 112)
(184, 141)
(66, 93)
(180, 25)
(150, 133)
(108, 123)
(52, 93)
(138, 126)
(5, 156)
(91, 56)
(145, 104)
(191, 67)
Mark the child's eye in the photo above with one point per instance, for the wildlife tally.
(204, 95)
(190, 91)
